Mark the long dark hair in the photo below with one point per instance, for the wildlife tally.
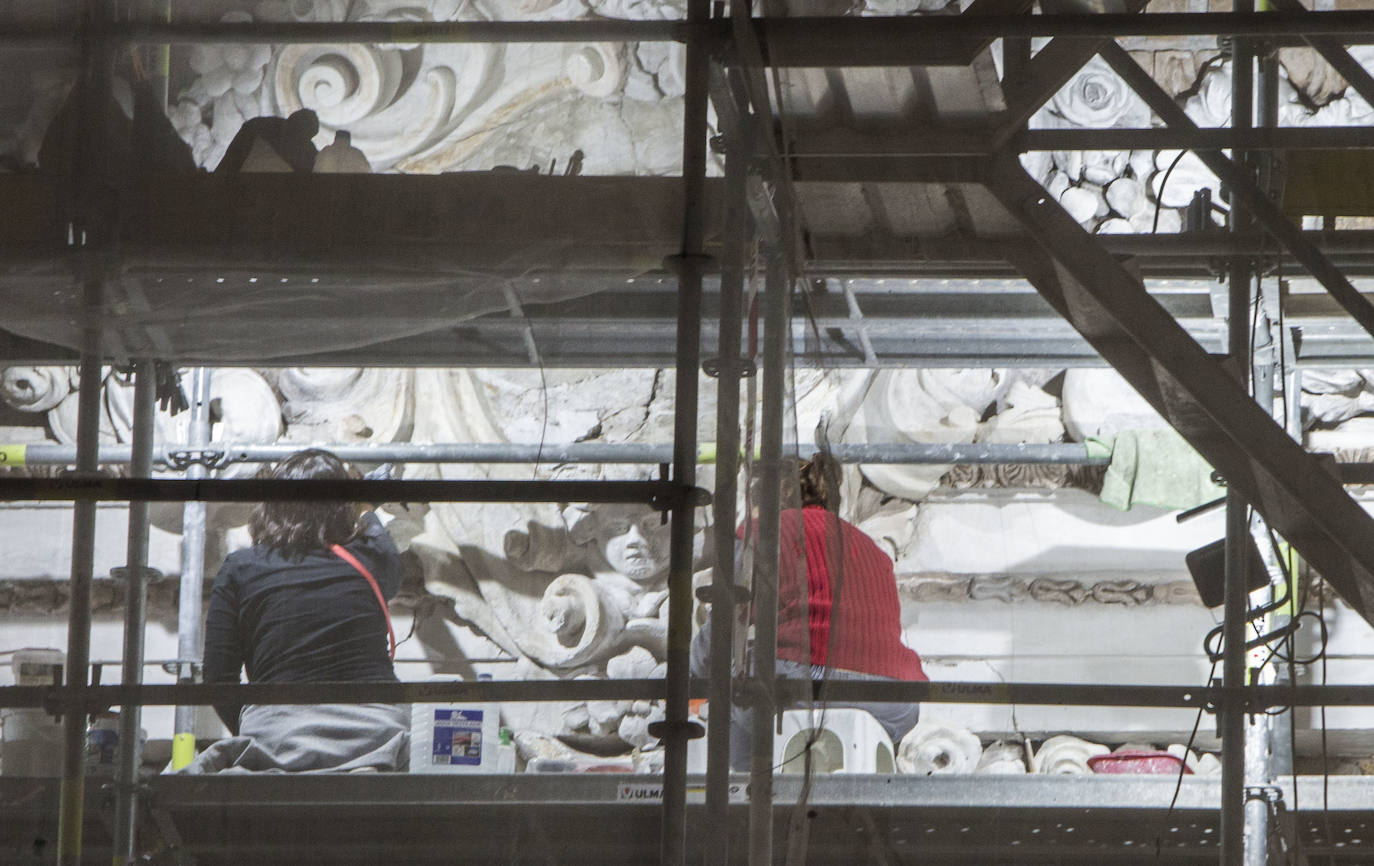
(819, 481)
(294, 529)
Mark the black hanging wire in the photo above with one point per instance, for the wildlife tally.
(1182, 768)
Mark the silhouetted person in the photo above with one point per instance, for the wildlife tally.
(158, 146)
(118, 146)
(342, 157)
(274, 144)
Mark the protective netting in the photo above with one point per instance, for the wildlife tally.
(288, 247)
(257, 267)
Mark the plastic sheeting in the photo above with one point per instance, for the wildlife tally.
(251, 268)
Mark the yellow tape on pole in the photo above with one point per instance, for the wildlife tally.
(183, 750)
(13, 455)
(70, 803)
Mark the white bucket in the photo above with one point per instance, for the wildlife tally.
(851, 741)
(31, 743)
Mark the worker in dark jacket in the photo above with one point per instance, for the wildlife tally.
(306, 603)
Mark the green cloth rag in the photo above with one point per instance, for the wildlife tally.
(1154, 467)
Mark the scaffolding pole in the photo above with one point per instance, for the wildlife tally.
(762, 698)
(675, 728)
(893, 453)
(79, 617)
(656, 494)
(135, 620)
(192, 574)
(1234, 836)
(88, 206)
(735, 240)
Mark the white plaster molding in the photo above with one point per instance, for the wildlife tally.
(938, 748)
(1066, 755)
(347, 404)
(35, 389)
(1002, 759)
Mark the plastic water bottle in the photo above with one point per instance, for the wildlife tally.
(505, 753)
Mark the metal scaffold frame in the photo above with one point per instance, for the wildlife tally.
(726, 61)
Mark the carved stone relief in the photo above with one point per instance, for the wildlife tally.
(1141, 191)
(428, 108)
(1069, 590)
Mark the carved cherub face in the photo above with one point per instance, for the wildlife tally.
(633, 540)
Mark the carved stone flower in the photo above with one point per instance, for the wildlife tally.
(1097, 98)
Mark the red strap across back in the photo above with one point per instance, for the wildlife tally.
(376, 590)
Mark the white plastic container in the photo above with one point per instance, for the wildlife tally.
(37, 667)
(696, 749)
(849, 741)
(454, 738)
(505, 753)
(31, 745)
(31, 740)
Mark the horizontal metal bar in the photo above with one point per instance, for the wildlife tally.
(885, 34)
(372, 793)
(660, 494)
(224, 453)
(874, 148)
(370, 32)
(1168, 138)
(891, 454)
(896, 453)
(887, 39)
(956, 452)
(848, 691)
(203, 694)
(1255, 698)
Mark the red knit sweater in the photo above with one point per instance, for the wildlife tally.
(850, 590)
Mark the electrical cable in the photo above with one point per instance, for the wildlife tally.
(1202, 70)
(1293, 750)
(1159, 195)
(517, 308)
(1283, 333)
(1183, 767)
(1326, 769)
(1254, 329)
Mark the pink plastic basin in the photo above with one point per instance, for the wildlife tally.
(1138, 761)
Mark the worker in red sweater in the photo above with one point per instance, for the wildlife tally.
(844, 623)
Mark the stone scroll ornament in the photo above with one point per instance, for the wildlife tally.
(35, 389)
(1066, 755)
(429, 108)
(938, 748)
(572, 591)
